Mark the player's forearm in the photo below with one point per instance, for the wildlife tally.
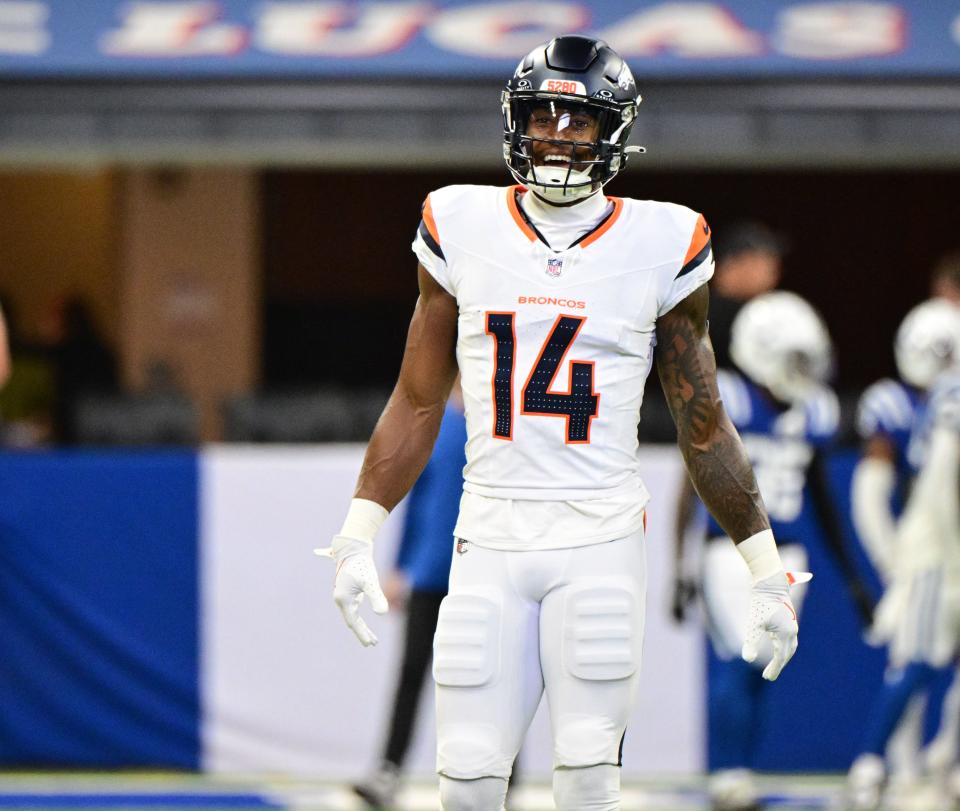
(399, 448)
(721, 473)
(403, 439)
(873, 519)
(714, 455)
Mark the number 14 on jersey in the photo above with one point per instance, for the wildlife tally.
(578, 405)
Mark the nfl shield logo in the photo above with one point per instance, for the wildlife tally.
(554, 267)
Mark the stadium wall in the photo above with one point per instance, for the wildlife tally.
(164, 609)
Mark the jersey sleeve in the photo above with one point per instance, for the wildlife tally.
(427, 247)
(823, 417)
(695, 269)
(884, 409)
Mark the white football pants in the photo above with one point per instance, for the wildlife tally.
(568, 621)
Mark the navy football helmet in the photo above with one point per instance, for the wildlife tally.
(570, 76)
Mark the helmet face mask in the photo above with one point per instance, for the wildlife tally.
(568, 78)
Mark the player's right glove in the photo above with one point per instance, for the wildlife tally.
(356, 575)
(772, 614)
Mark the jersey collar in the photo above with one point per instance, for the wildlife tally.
(531, 233)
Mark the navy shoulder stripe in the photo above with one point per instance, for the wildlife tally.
(432, 244)
(696, 261)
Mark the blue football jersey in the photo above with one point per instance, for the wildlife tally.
(891, 409)
(781, 443)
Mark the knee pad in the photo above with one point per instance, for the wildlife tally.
(466, 751)
(466, 646)
(481, 794)
(592, 788)
(603, 633)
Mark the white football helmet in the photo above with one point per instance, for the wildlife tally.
(928, 342)
(780, 342)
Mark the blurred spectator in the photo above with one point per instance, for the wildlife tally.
(83, 363)
(5, 362)
(749, 262)
(945, 279)
(26, 398)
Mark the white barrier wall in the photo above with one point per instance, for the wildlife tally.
(288, 689)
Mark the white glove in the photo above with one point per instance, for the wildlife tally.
(356, 576)
(772, 613)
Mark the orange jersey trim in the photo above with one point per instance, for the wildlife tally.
(701, 236)
(607, 225)
(429, 221)
(512, 193)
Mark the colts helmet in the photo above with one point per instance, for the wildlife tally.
(928, 342)
(780, 342)
(579, 74)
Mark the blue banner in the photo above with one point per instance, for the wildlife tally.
(468, 40)
(98, 610)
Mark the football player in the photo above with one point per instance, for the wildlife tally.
(787, 416)
(555, 300)
(917, 616)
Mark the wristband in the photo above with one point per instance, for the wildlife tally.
(363, 520)
(760, 554)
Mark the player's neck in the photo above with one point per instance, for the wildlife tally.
(589, 208)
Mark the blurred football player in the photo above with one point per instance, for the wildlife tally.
(886, 414)
(551, 296)
(778, 400)
(917, 556)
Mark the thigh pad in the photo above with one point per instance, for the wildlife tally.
(602, 634)
(466, 648)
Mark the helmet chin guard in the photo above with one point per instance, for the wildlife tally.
(573, 75)
(559, 185)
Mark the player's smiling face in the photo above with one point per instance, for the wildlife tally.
(551, 121)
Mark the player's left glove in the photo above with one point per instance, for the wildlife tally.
(772, 614)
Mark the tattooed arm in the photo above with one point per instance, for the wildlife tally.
(721, 473)
(714, 455)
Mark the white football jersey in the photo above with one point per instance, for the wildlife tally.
(554, 347)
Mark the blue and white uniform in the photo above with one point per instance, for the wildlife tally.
(781, 443)
(889, 409)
